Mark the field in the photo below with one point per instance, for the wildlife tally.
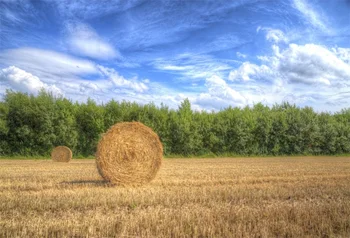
(221, 197)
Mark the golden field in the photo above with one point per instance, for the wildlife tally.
(221, 197)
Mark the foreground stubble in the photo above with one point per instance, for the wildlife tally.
(247, 197)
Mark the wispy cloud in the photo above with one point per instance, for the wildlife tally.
(48, 64)
(173, 23)
(194, 67)
(32, 69)
(84, 41)
(90, 9)
(240, 55)
(165, 51)
(311, 15)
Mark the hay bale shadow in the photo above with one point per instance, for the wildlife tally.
(96, 183)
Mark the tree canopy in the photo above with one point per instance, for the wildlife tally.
(34, 125)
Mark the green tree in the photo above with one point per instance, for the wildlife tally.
(206, 130)
(3, 128)
(262, 128)
(277, 135)
(157, 119)
(184, 133)
(112, 114)
(90, 126)
(30, 123)
(64, 122)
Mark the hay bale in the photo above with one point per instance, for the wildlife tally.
(129, 153)
(61, 154)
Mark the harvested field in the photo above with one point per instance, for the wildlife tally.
(222, 197)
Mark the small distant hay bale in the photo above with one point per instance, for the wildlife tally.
(61, 154)
(129, 153)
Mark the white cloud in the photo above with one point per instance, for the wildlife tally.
(174, 67)
(87, 9)
(120, 81)
(23, 81)
(342, 53)
(312, 64)
(49, 65)
(240, 55)
(311, 15)
(84, 41)
(76, 78)
(218, 87)
(248, 71)
(273, 35)
(303, 74)
(302, 64)
(276, 36)
(194, 67)
(219, 95)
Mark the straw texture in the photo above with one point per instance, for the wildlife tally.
(129, 153)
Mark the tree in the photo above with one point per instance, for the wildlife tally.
(112, 114)
(262, 128)
(30, 125)
(65, 126)
(3, 128)
(34, 124)
(184, 133)
(90, 125)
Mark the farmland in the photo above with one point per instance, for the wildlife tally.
(221, 197)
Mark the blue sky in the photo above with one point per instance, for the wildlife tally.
(215, 53)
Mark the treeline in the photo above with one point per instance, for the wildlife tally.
(33, 125)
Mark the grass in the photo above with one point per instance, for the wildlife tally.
(221, 197)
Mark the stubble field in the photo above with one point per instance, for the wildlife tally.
(221, 197)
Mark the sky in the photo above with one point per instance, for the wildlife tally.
(216, 53)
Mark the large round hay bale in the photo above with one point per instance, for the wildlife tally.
(61, 154)
(129, 153)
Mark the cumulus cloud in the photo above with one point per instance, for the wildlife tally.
(120, 81)
(218, 87)
(273, 35)
(276, 36)
(83, 40)
(342, 53)
(23, 81)
(298, 64)
(248, 71)
(311, 64)
(219, 95)
(303, 74)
